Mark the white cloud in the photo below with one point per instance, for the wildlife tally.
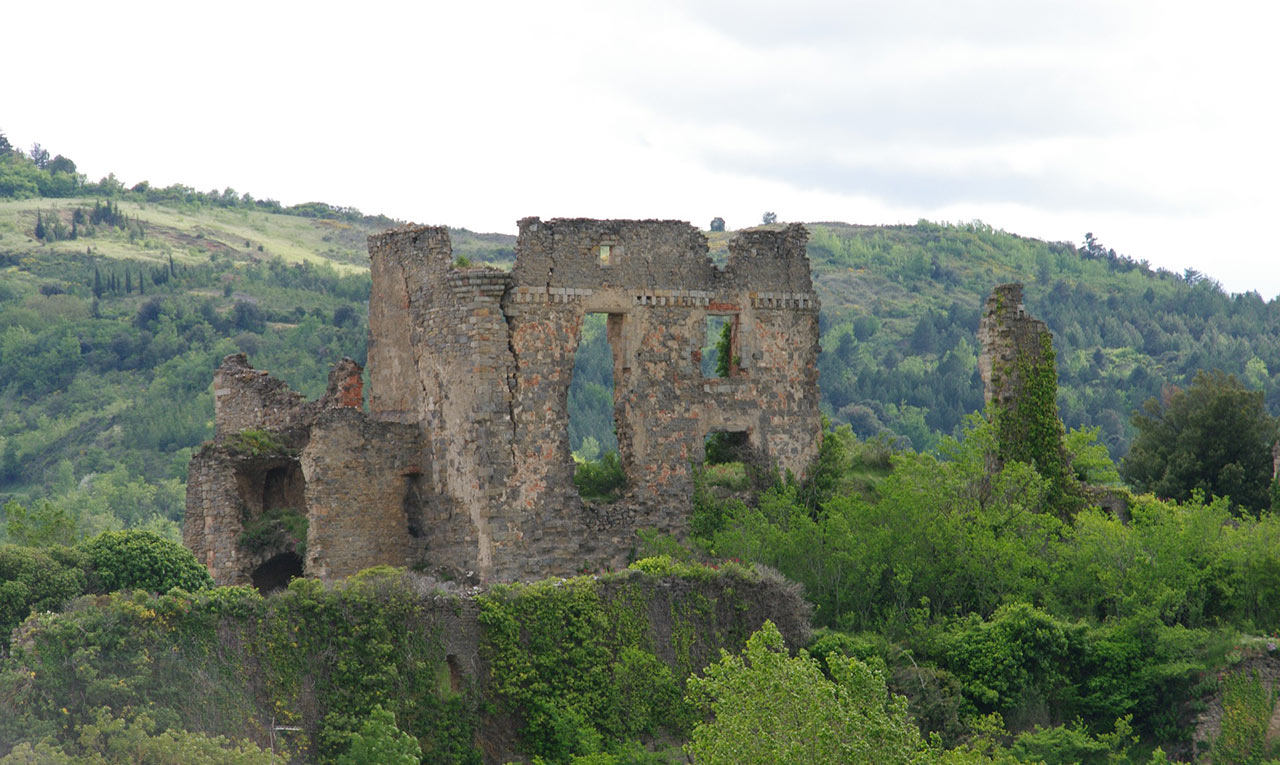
(1150, 124)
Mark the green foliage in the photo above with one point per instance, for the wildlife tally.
(125, 560)
(1089, 459)
(44, 525)
(1030, 431)
(601, 480)
(590, 399)
(36, 579)
(1214, 437)
(380, 742)
(322, 658)
(578, 667)
(945, 533)
(1246, 713)
(110, 740)
(767, 707)
(547, 646)
(1013, 663)
(824, 478)
(725, 362)
(277, 528)
(1071, 744)
(256, 443)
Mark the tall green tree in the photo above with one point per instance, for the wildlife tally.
(1215, 436)
(768, 707)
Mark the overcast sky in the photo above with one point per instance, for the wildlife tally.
(1151, 124)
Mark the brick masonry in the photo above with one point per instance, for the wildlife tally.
(462, 462)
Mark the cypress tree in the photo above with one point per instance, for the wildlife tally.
(39, 232)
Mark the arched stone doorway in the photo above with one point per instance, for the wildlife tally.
(277, 572)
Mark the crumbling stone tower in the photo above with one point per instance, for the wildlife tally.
(1010, 340)
(462, 462)
(1020, 378)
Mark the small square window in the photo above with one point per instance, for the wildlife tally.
(605, 254)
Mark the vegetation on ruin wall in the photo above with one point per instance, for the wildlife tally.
(573, 661)
(576, 660)
(1029, 430)
(226, 661)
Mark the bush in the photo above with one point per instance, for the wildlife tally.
(602, 479)
(39, 579)
(120, 560)
(380, 742)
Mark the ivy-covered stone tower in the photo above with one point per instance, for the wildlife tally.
(1020, 381)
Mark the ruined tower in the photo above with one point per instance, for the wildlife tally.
(462, 462)
(1010, 341)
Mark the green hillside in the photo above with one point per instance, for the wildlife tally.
(108, 340)
(900, 312)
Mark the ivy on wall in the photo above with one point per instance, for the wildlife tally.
(1029, 429)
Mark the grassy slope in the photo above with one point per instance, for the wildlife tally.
(192, 234)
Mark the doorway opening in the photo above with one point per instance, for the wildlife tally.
(728, 461)
(277, 572)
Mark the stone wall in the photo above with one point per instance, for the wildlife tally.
(359, 474)
(462, 463)
(1006, 333)
(352, 478)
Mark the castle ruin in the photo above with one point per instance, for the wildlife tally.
(1009, 339)
(461, 463)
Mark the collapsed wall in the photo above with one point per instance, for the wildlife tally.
(466, 442)
(288, 486)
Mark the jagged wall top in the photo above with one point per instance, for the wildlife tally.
(1007, 333)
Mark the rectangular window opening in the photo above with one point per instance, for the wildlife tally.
(720, 346)
(593, 435)
(727, 457)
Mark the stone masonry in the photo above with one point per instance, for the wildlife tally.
(461, 464)
(1006, 332)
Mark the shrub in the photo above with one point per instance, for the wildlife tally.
(602, 479)
(256, 443)
(380, 742)
(121, 560)
(40, 579)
